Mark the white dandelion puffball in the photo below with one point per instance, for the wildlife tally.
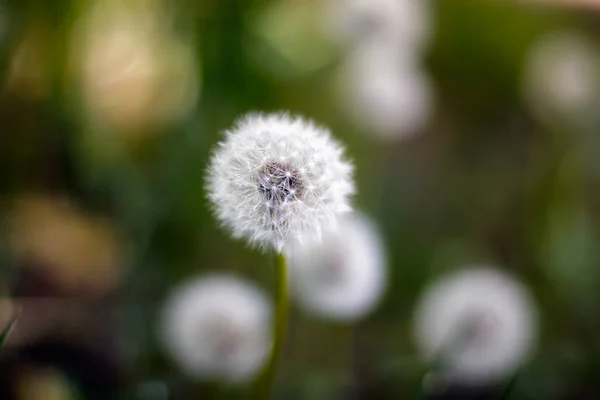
(561, 76)
(342, 276)
(218, 327)
(405, 23)
(387, 94)
(479, 322)
(275, 177)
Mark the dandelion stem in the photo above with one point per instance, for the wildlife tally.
(267, 379)
(8, 329)
(508, 388)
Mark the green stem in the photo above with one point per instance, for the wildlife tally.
(510, 385)
(8, 329)
(267, 379)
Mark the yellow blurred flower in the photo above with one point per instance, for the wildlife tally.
(44, 384)
(80, 251)
(133, 74)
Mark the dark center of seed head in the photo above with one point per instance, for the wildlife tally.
(226, 338)
(478, 329)
(333, 272)
(279, 183)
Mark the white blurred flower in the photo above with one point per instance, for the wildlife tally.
(132, 71)
(276, 178)
(405, 23)
(385, 93)
(342, 276)
(217, 327)
(561, 76)
(480, 322)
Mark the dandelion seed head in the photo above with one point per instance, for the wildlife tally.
(406, 23)
(277, 177)
(387, 94)
(481, 321)
(343, 275)
(217, 327)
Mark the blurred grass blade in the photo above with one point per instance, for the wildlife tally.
(8, 329)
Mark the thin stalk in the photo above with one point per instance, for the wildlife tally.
(4, 336)
(509, 387)
(267, 378)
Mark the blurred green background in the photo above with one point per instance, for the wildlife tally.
(104, 210)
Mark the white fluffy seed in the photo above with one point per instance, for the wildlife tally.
(276, 178)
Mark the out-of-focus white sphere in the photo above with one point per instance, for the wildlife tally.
(562, 76)
(480, 323)
(343, 275)
(217, 327)
(404, 23)
(385, 93)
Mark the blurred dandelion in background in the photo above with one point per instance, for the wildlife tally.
(562, 77)
(276, 178)
(401, 23)
(342, 276)
(217, 327)
(385, 93)
(479, 324)
(382, 87)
